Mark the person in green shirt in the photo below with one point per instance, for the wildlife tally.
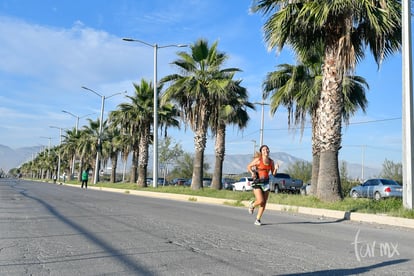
(85, 175)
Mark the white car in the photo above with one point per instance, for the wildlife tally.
(244, 184)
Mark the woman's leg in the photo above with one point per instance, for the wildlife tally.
(264, 196)
(258, 194)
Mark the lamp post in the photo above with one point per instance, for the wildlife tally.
(262, 121)
(103, 98)
(48, 150)
(407, 108)
(254, 147)
(60, 143)
(77, 118)
(50, 139)
(76, 132)
(155, 134)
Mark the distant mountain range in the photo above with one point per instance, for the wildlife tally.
(233, 164)
(12, 158)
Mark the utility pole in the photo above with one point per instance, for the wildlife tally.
(407, 107)
(262, 120)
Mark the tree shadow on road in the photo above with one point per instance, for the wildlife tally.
(130, 263)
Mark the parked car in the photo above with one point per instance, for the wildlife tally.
(178, 181)
(227, 183)
(244, 184)
(282, 182)
(161, 181)
(207, 182)
(377, 188)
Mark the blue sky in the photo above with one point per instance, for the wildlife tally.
(49, 49)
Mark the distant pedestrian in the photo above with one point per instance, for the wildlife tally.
(260, 168)
(64, 177)
(85, 175)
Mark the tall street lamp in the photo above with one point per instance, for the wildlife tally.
(77, 118)
(262, 121)
(407, 108)
(103, 98)
(76, 132)
(254, 147)
(48, 152)
(60, 143)
(50, 139)
(155, 142)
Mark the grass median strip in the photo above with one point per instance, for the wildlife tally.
(389, 207)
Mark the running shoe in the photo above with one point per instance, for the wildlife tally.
(258, 222)
(251, 207)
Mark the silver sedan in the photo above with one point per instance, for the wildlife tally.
(377, 188)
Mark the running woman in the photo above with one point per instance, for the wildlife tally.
(260, 168)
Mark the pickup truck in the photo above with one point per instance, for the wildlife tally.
(282, 182)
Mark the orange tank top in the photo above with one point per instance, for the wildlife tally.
(264, 169)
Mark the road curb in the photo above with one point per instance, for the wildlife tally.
(344, 215)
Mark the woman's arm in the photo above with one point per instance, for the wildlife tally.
(252, 164)
(275, 168)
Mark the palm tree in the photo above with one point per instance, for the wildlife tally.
(125, 117)
(84, 146)
(44, 164)
(89, 142)
(69, 145)
(145, 102)
(344, 28)
(232, 110)
(195, 91)
(137, 117)
(168, 114)
(298, 89)
(126, 148)
(113, 146)
(129, 142)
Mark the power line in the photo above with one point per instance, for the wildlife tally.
(376, 121)
(296, 128)
(353, 123)
(371, 147)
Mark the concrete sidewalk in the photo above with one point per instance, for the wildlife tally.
(345, 215)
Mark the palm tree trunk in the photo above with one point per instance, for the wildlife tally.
(80, 168)
(125, 154)
(220, 151)
(329, 130)
(329, 186)
(199, 145)
(315, 173)
(197, 178)
(200, 141)
(114, 163)
(315, 155)
(143, 157)
(134, 164)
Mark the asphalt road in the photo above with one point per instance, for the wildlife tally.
(48, 229)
